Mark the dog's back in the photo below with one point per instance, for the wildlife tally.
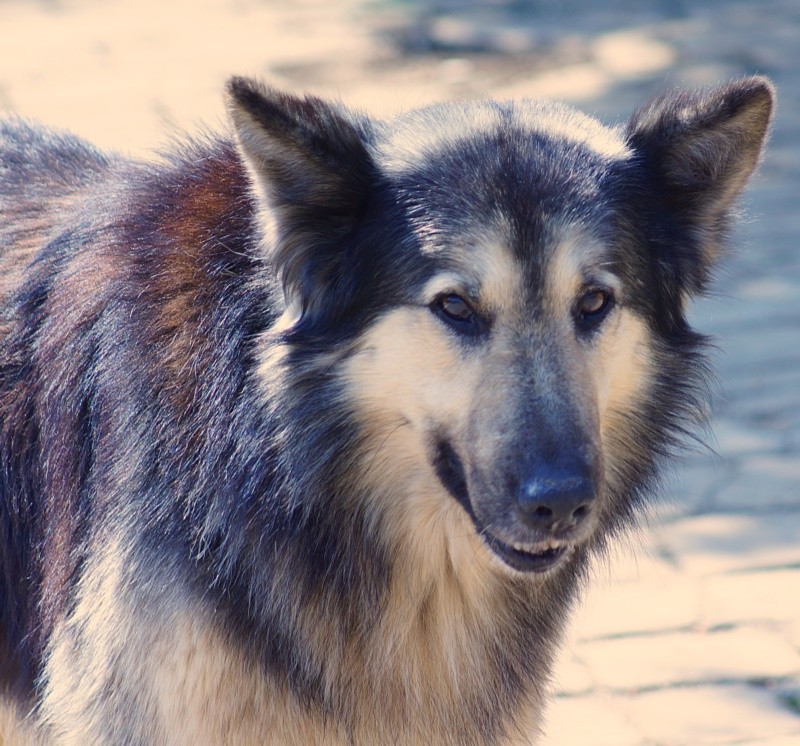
(79, 232)
(44, 179)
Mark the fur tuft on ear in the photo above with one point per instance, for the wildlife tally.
(309, 163)
(699, 149)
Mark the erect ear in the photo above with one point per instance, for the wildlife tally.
(309, 162)
(699, 149)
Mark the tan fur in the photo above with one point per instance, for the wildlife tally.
(204, 690)
(624, 357)
(578, 257)
(619, 358)
(14, 730)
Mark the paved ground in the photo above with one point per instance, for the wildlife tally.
(692, 636)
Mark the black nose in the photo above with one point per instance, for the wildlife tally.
(556, 499)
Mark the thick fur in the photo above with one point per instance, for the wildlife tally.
(277, 412)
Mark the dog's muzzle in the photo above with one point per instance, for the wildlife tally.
(539, 522)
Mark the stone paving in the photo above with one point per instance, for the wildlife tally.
(690, 635)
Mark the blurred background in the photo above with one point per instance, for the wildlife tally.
(691, 635)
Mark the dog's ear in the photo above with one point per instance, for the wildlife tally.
(309, 161)
(698, 150)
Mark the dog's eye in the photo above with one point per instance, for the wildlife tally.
(594, 302)
(455, 307)
(593, 307)
(458, 313)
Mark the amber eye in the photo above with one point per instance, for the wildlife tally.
(458, 314)
(593, 306)
(455, 307)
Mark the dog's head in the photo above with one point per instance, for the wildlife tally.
(510, 282)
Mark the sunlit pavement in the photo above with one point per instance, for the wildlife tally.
(691, 635)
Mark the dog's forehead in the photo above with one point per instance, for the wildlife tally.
(520, 185)
(416, 135)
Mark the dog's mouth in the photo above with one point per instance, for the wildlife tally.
(537, 558)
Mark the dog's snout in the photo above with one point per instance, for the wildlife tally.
(556, 500)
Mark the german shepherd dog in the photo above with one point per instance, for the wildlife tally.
(308, 434)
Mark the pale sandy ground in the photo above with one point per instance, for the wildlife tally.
(692, 636)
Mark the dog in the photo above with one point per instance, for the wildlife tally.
(310, 431)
